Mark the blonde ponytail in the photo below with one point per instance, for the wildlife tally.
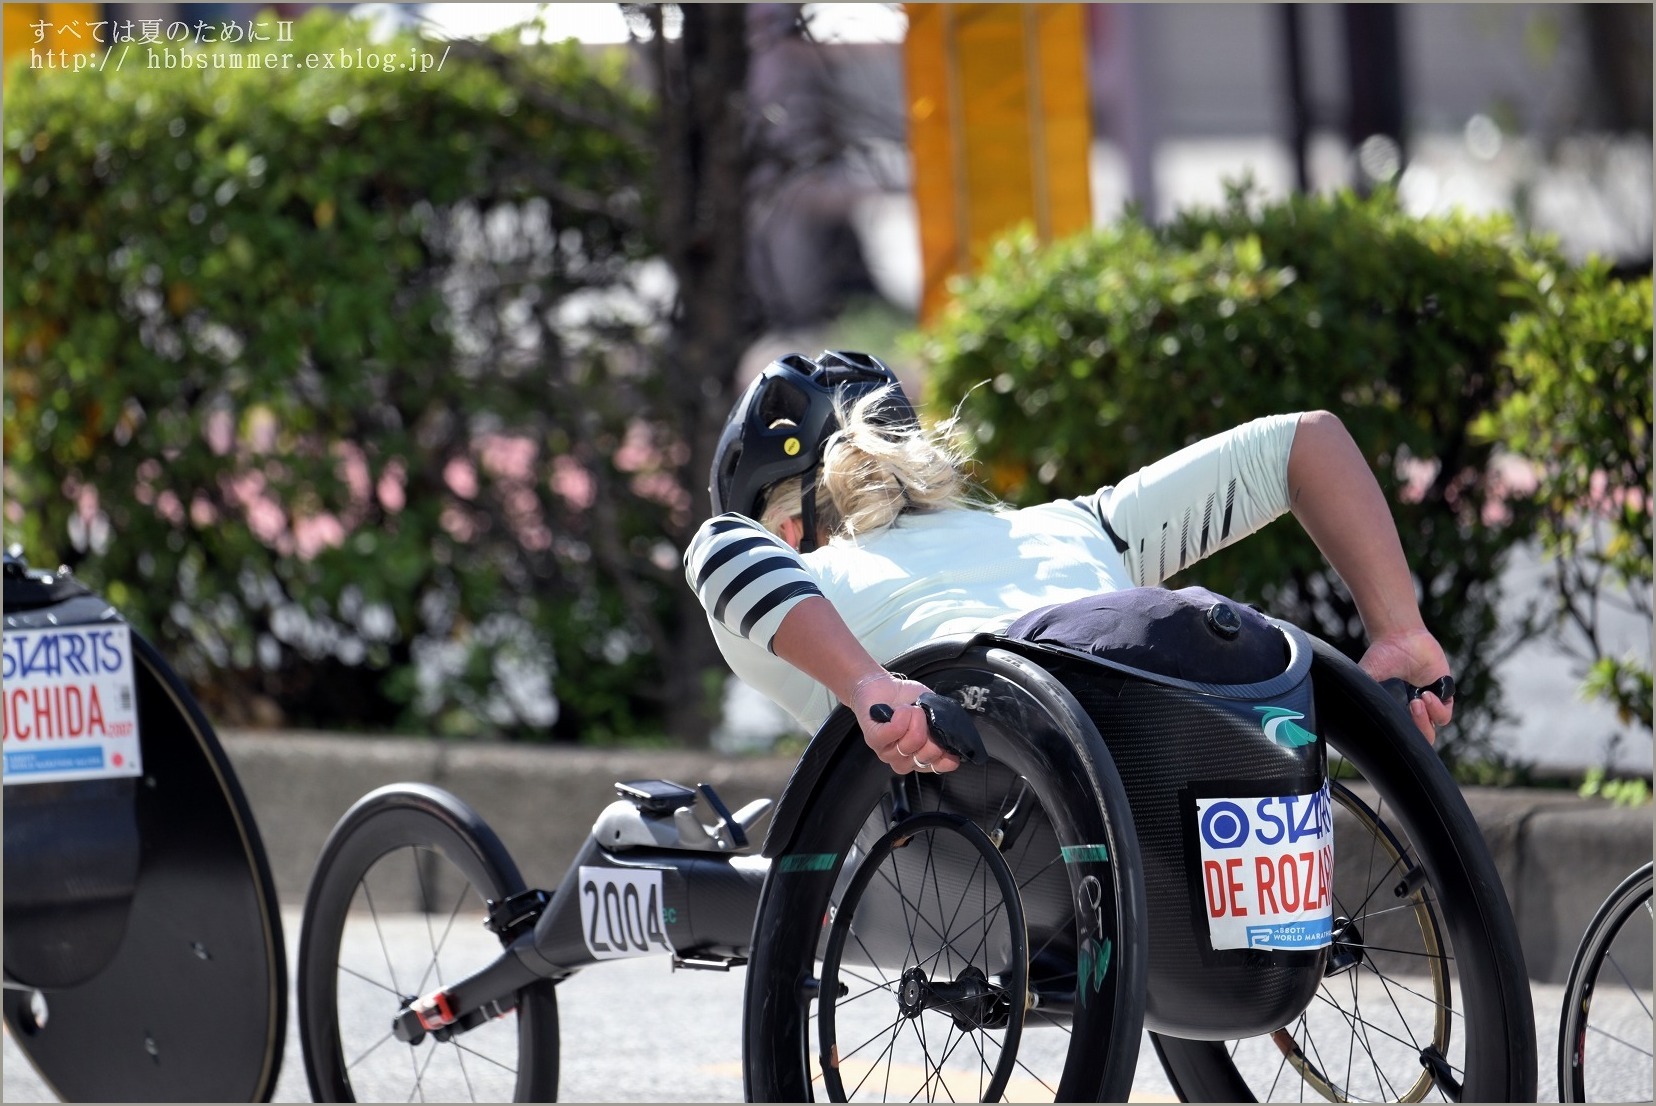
(874, 472)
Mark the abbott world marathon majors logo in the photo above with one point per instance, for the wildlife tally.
(1267, 870)
(70, 712)
(1282, 726)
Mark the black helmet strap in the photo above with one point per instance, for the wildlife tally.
(807, 509)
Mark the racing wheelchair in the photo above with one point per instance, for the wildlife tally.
(144, 957)
(1277, 879)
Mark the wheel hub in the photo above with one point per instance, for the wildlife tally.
(971, 1000)
(912, 993)
(1346, 952)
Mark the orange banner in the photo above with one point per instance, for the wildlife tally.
(999, 129)
(57, 30)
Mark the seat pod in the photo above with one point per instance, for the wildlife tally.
(1227, 783)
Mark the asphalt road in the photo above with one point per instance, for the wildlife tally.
(636, 1031)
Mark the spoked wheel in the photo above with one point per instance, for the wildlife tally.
(889, 960)
(1425, 997)
(395, 910)
(947, 1000)
(1604, 1040)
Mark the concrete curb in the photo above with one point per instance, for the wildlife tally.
(1558, 855)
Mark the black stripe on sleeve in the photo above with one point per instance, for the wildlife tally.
(1097, 505)
(1116, 539)
(1230, 501)
(723, 524)
(749, 574)
(726, 553)
(775, 599)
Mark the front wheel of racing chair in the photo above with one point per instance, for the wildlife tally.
(967, 936)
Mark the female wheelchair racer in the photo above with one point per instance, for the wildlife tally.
(843, 533)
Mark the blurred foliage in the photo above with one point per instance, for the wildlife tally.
(329, 379)
(1114, 348)
(1580, 412)
(1630, 791)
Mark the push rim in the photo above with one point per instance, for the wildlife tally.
(1050, 799)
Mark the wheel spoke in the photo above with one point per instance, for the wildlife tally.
(894, 1029)
(483, 1056)
(1392, 981)
(895, 1025)
(1627, 982)
(379, 934)
(1354, 1019)
(1391, 997)
(363, 1055)
(354, 974)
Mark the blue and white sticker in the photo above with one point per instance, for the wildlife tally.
(70, 712)
(1267, 870)
(624, 912)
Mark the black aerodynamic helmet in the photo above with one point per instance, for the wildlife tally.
(751, 456)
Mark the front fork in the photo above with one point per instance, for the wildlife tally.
(660, 890)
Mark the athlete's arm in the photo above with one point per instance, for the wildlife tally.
(754, 585)
(1217, 491)
(1339, 503)
(815, 639)
(1206, 496)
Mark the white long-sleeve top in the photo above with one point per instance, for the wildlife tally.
(964, 570)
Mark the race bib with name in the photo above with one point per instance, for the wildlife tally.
(1267, 870)
(70, 709)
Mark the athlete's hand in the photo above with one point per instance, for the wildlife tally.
(1417, 658)
(904, 741)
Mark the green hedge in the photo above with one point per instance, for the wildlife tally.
(1109, 350)
(313, 374)
(1580, 412)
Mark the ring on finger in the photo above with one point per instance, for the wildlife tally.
(923, 765)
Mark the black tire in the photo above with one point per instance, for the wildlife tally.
(1050, 798)
(412, 856)
(1417, 882)
(1604, 1038)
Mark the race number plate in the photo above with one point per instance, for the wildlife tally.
(1267, 869)
(623, 912)
(70, 710)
